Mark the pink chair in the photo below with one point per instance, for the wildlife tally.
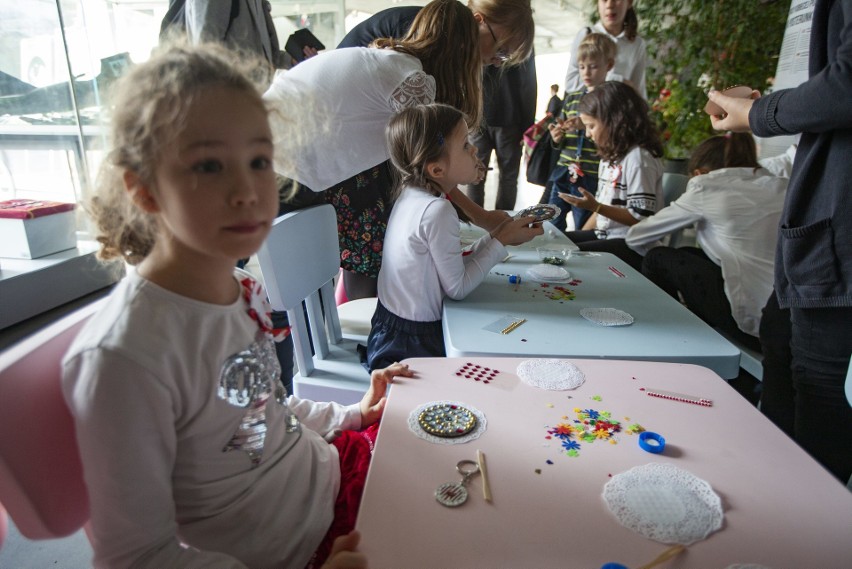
(4, 525)
(41, 478)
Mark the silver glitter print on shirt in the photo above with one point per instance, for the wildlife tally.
(247, 380)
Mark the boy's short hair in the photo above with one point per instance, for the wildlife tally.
(554, 87)
(597, 46)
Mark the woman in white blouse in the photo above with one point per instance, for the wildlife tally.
(618, 21)
(735, 206)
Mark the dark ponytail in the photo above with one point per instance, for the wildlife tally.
(732, 150)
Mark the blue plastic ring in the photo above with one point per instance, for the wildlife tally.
(514, 279)
(652, 442)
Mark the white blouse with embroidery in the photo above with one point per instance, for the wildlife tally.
(329, 112)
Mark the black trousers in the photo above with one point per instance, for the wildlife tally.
(806, 357)
(690, 272)
(505, 141)
(588, 241)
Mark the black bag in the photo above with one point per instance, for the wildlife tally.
(539, 166)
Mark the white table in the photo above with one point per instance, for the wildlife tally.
(663, 329)
(781, 509)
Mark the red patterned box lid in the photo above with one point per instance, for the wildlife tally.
(28, 209)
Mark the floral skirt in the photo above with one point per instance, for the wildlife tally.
(363, 205)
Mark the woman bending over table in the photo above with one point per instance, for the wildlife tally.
(350, 94)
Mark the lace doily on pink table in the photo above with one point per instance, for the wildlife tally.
(554, 375)
(664, 503)
(475, 433)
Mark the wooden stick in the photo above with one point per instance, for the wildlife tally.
(664, 556)
(486, 488)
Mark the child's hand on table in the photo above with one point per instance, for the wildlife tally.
(344, 555)
(373, 402)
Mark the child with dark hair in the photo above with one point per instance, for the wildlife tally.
(630, 174)
(735, 206)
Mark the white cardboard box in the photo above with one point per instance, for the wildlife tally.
(35, 237)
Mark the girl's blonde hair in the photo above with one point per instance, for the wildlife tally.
(147, 111)
(733, 150)
(416, 137)
(624, 116)
(445, 38)
(515, 16)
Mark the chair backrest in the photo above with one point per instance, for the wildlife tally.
(4, 525)
(41, 477)
(674, 185)
(298, 262)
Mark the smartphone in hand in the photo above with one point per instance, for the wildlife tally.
(300, 39)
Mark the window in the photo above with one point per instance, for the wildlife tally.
(56, 58)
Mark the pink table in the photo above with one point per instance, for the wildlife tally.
(782, 510)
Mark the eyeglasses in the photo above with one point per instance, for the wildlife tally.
(500, 54)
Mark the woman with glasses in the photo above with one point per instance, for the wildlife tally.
(445, 45)
(508, 80)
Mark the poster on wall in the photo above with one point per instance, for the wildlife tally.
(792, 69)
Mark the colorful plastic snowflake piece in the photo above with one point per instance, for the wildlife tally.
(573, 453)
(570, 445)
(591, 413)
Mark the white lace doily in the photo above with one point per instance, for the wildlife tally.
(545, 273)
(607, 316)
(555, 375)
(414, 424)
(664, 503)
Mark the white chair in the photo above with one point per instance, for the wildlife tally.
(356, 318)
(298, 262)
(674, 185)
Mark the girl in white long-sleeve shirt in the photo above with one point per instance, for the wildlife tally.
(422, 260)
(192, 452)
(735, 206)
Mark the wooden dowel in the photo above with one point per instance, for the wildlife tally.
(486, 488)
(664, 556)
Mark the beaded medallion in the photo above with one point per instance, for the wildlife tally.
(447, 420)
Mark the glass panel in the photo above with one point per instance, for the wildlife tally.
(56, 59)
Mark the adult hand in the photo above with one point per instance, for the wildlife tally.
(736, 109)
(344, 555)
(587, 201)
(373, 402)
(517, 231)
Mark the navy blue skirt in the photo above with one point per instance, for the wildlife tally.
(392, 339)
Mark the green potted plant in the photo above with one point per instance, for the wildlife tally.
(696, 45)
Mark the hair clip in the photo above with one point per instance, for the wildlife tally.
(440, 139)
